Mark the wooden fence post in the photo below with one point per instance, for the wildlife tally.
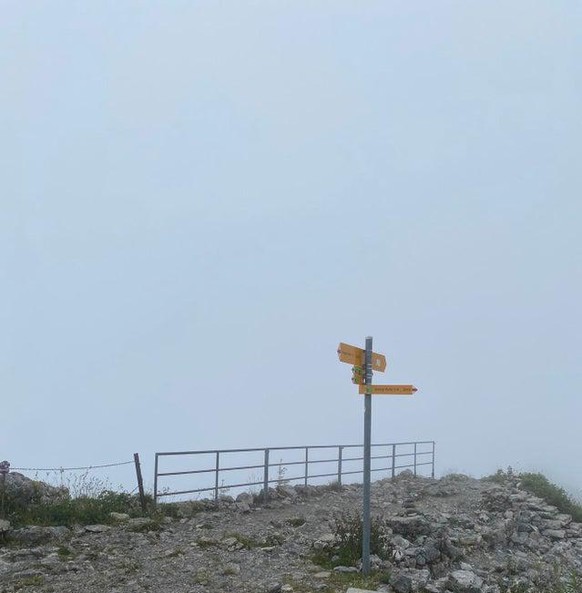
(142, 499)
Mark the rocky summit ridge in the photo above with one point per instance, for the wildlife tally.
(455, 534)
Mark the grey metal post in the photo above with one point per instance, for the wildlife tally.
(266, 478)
(415, 459)
(216, 475)
(367, 461)
(393, 460)
(339, 465)
(156, 480)
(306, 464)
(432, 473)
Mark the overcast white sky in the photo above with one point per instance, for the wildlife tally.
(200, 199)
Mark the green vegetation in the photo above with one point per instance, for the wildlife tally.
(85, 500)
(248, 543)
(93, 507)
(538, 485)
(347, 550)
(338, 582)
(33, 581)
(83, 510)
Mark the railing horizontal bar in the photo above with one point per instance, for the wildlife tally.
(314, 461)
(315, 476)
(228, 469)
(293, 448)
(285, 464)
(324, 475)
(194, 471)
(210, 489)
(282, 482)
(160, 494)
(229, 486)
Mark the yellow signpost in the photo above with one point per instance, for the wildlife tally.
(388, 389)
(356, 357)
(364, 361)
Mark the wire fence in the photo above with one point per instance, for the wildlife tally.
(80, 480)
(66, 469)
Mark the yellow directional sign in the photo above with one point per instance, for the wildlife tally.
(387, 389)
(356, 357)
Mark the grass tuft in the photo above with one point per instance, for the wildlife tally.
(348, 531)
(538, 485)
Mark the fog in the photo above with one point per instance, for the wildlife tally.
(200, 200)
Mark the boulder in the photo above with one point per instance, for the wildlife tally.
(464, 581)
(24, 492)
(36, 535)
(409, 580)
(410, 526)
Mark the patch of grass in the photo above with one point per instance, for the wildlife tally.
(539, 485)
(333, 486)
(248, 543)
(499, 477)
(29, 582)
(348, 531)
(82, 510)
(64, 553)
(338, 582)
(572, 584)
(169, 509)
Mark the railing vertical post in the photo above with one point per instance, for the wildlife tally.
(393, 460)
(156, 480)
(266, 478)
(339, 465)
(216, 475)
(432, 473)
(306, 464)
(415, 459)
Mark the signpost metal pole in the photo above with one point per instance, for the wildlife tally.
(369, 361)
(367, 461)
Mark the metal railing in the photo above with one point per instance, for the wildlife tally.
(398, 455)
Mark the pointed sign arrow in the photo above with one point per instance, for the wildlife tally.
(387, 389)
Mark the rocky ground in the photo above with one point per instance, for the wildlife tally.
(455, 534)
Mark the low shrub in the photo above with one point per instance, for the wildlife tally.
(539, 485)
(83, 510)
(347, 528)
